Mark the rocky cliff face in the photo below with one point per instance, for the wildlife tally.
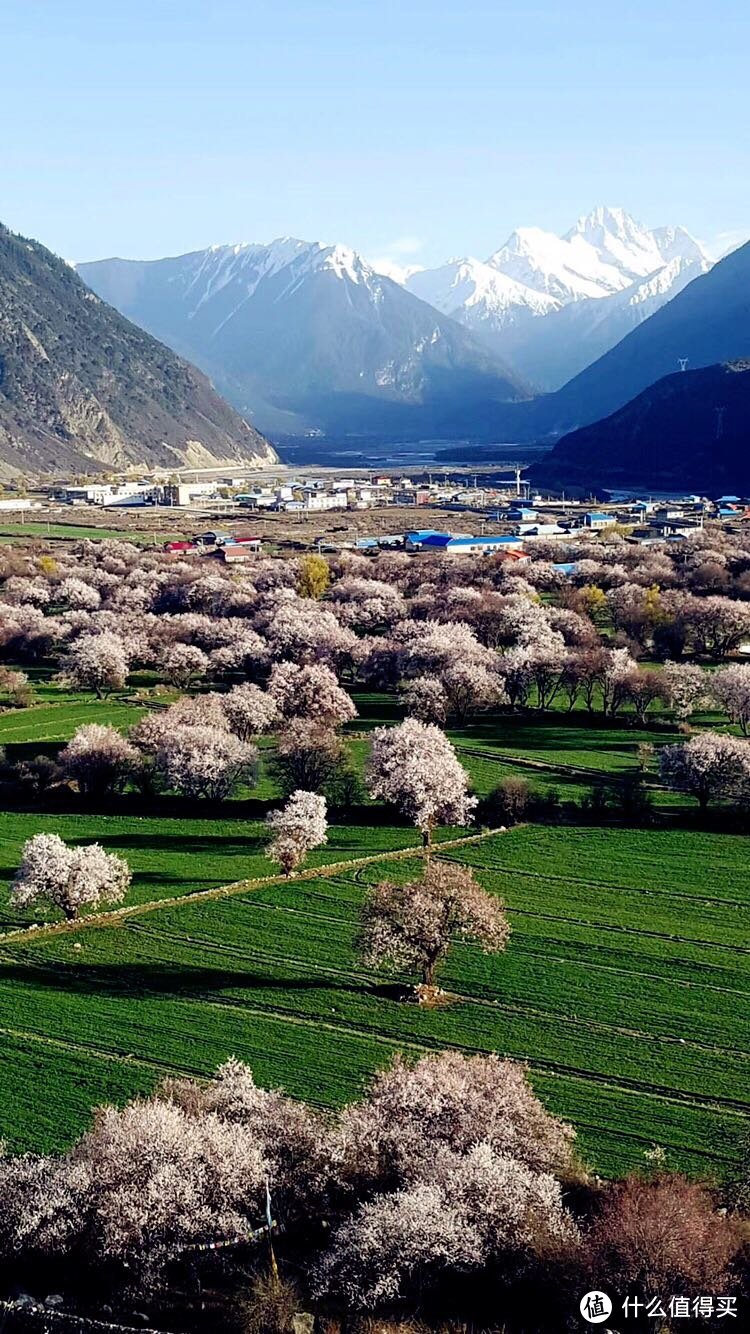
(81, 388)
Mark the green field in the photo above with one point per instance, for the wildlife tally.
(625, 985)
(72, 532)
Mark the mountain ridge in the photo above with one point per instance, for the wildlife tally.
(300, 334)
(82, 388)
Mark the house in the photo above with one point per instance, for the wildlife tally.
(597, 519)
(486, 545)
(521, 513)
(426, 537)
(213, 539)
(233, 552)
(540, 530)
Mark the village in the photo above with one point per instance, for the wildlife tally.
(460, 514)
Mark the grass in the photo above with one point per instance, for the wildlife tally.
(632, 1027)
(625, 985)
(80, 532)
(173, 857)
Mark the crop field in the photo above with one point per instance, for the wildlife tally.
(625, 985)
(72, 532)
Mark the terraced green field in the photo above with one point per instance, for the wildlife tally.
(625, 985)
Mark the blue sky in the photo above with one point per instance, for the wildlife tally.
(415, 129)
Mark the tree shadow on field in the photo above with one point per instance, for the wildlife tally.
(130, 981)
(186, 843)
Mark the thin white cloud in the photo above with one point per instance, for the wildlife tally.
(405, 245)
(390, 266)
(725, 242)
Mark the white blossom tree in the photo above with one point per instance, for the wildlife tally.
(68, 878)
(297, 828)
(99, 759)
(79, 594)
(730, 687)
(413, 925)
(98, 663)
(425, 698)
(448, 1101)
(310, 692)
(685, 688)
(250, 711)
(203, 761)
(184, 664)
(710, 766)
(467, 1212)
(471, 687)
(415, 768)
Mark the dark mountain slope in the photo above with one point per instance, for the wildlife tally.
(707, 323)
(81, 387)
(688, 431)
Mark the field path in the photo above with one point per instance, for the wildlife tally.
(24, 934)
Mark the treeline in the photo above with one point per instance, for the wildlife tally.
(448, 1191)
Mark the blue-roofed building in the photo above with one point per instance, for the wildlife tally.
(426, 537)
(484, 545)
(597, 519)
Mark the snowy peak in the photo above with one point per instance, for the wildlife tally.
(307, 334)
(468, 286)
(569, 269)
(603, 253)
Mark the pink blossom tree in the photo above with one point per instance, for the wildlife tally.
(414, 767)
(297, 828)
(68, 878)
(413, 925)
(311, 692)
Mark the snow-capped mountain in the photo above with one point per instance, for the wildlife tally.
(554, 350)
(612, 270)
(305, 334)
(480, 296)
